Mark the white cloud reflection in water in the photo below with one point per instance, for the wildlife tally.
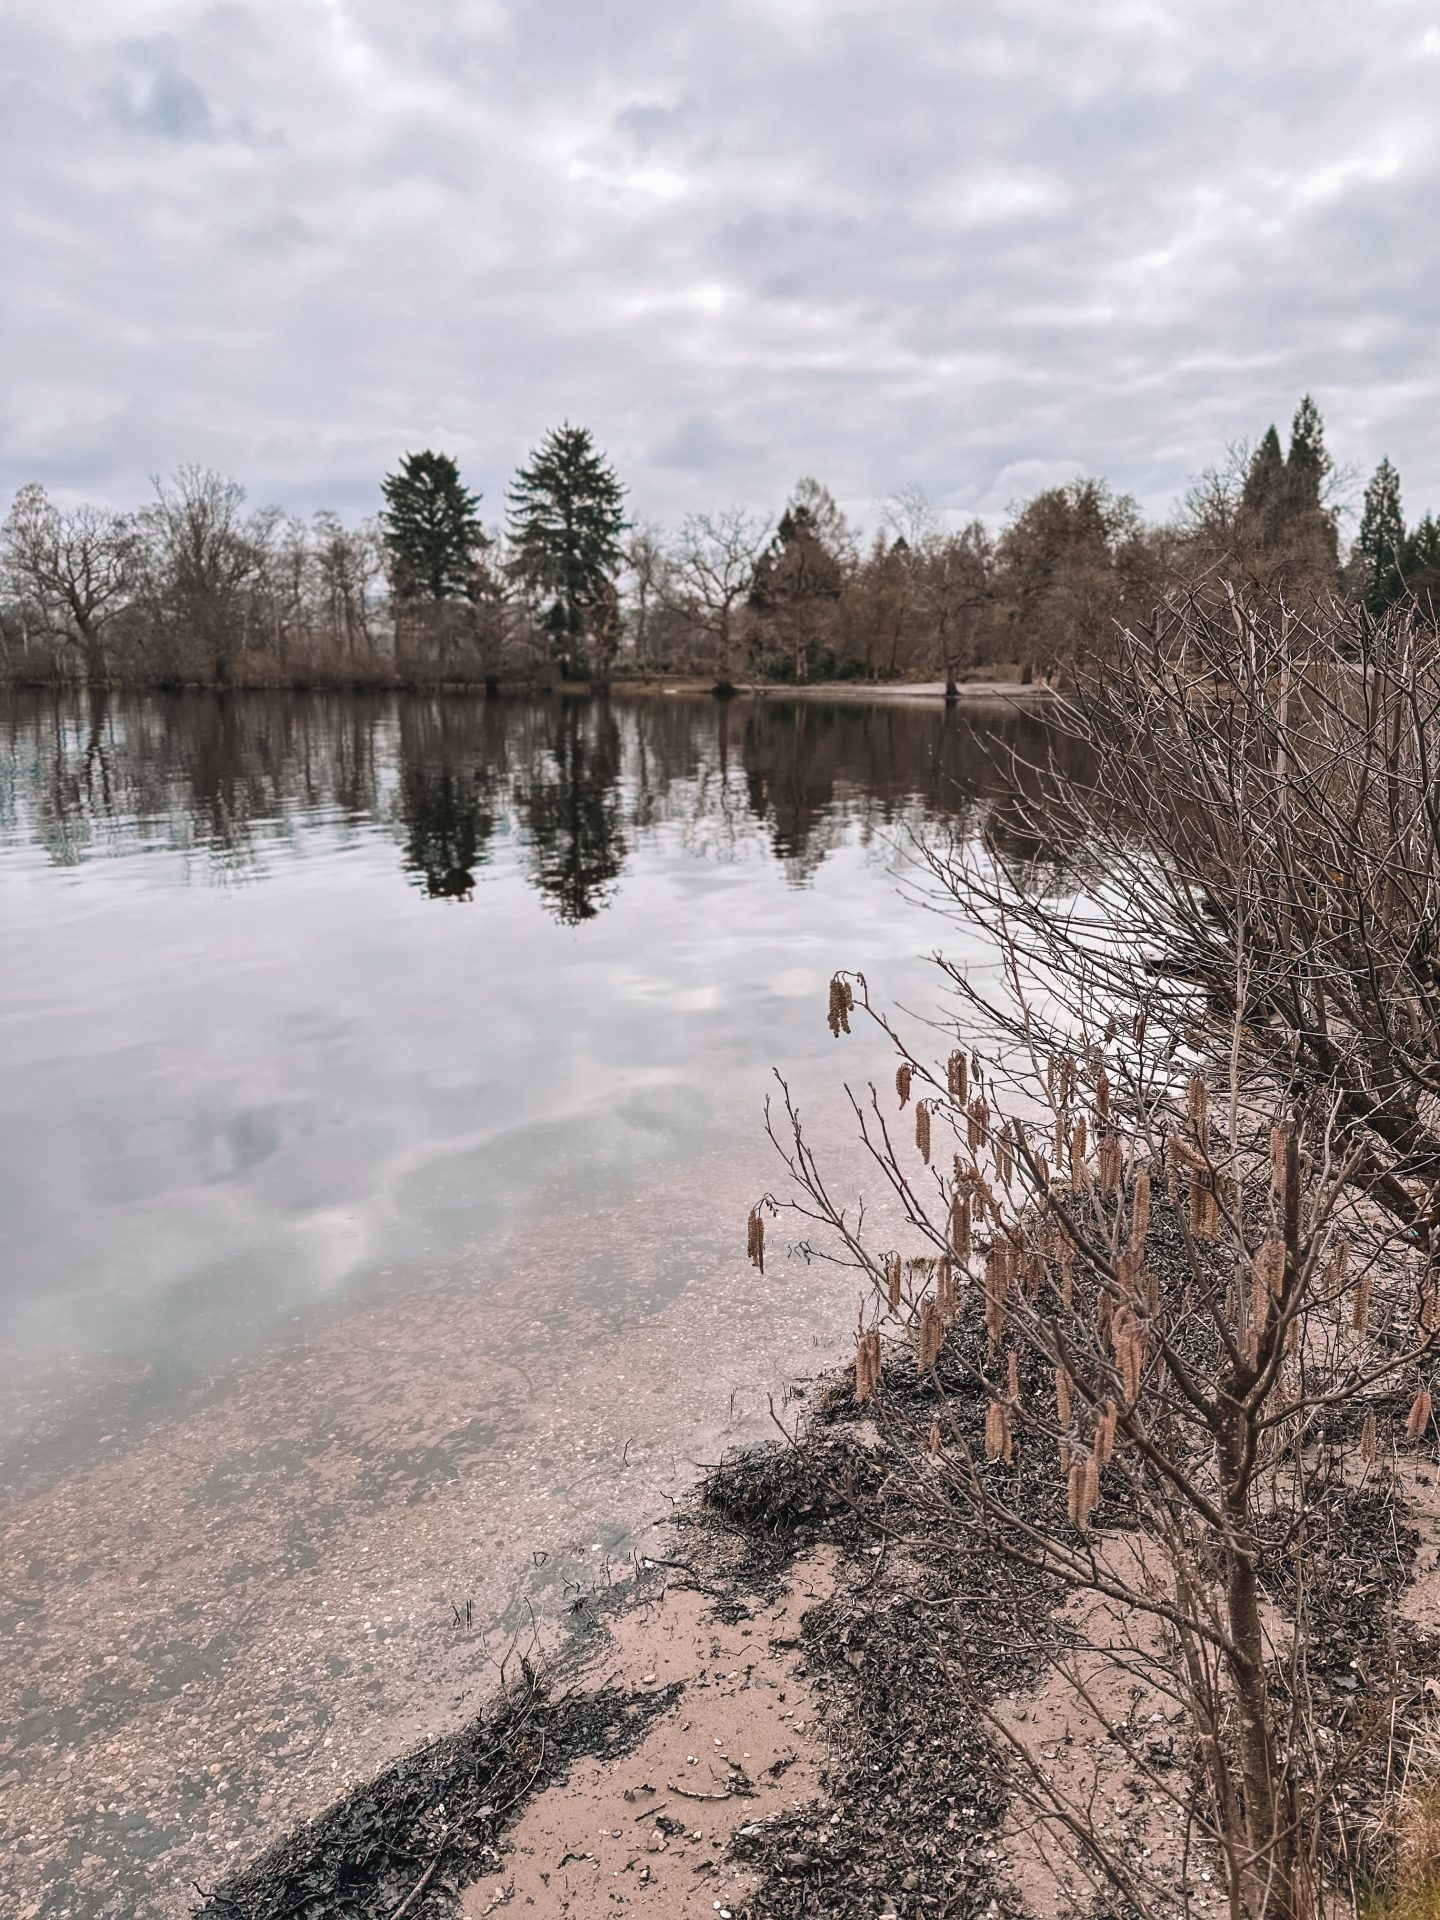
(249, 1059)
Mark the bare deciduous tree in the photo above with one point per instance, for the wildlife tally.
(712, 568)
(72, 571)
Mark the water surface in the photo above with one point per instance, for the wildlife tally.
(380, 1090)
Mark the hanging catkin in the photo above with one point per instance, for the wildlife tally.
(1268, 1277)
(930, 1335)
(1012, 1378)
(957, 1077)
(977, 1130)
(1279, 1139)
(1004, 1156)
(1105, 1434)
(922, 1129)
(1418, 1419)
(842, 1004)
(1204, 1217)
(1369, 1439)
(755, 1238)
(867, 1365)
(1062, 1396)
(1111, 1160)
(1102, 1094)
(946, 1295)
(1139, 1211)
(902, 1082)
(1360, 1304)
(892, 1280)
(961, 1227)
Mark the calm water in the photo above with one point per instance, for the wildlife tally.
(380, 1103)
(298, 990)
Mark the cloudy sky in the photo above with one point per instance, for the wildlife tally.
(975, 245)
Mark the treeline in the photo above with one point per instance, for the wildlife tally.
(197, 588)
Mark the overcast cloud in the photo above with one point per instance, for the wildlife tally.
(979, 247)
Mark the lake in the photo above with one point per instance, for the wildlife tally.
(381, 1100)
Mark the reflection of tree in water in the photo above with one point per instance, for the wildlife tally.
(571, 809)
(447, 830)
(588, 782)
(445, 806)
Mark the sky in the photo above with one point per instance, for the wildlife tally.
(974, 246)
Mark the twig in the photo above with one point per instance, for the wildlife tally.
(416, 1891)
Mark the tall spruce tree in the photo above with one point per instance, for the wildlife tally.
(1307, 465)
(1380, 543)
(1422, 565)
(431, 529)
(566, 517)
(1264, 478)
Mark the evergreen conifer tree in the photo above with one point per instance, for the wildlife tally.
(431, 529)
(1422, 565)
(566, 517)
(1380, 543)
(1307, 465)
(1264, 479)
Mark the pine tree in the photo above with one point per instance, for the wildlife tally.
(1307, 465)
(1380, 543)
(1422, 565)
(1264, 479)
(431, 529)
(566, 518)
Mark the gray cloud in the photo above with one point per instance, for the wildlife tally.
(971, 248)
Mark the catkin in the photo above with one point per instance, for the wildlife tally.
(1004, 1156)
(867, 1365)
(902, 1082)
(958, 1077)
(1279, 1140)
(1267, 1279)
(1012, 1378)
(977, 1130)
(1360, 1305)
(755, 1237)
(1197, 1103)
(946, 1295)
(922, 1129)
(999, 1440)
(1105, 1434)
(1111, 1163)
(1062, 1396)
(930, 1335)
(961, 1227)
(1369, 1439)
(1204, 1216)
(1418, 1418)
(842, 1004)
(1102, 1094)
(892, 1280)
(1139, 1211)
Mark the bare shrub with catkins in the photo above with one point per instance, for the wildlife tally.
(1186, 1227)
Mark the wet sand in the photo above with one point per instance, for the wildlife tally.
(220, 1617)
